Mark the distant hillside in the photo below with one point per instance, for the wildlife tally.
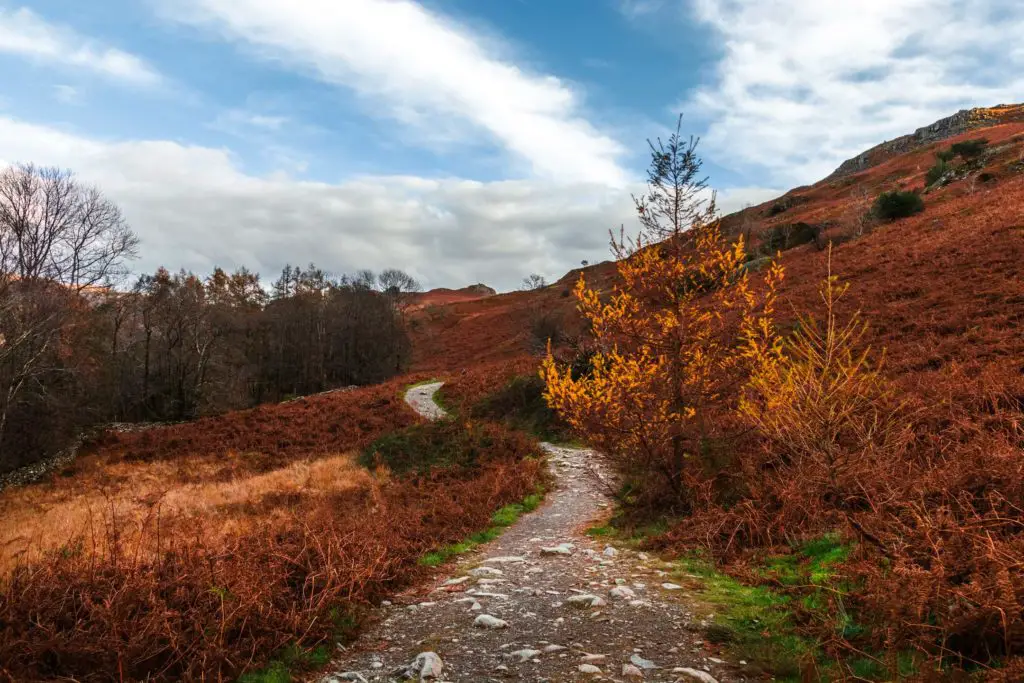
(908, 275)
(961, 122)
(444, 295)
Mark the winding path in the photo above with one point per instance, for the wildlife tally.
(545, 602)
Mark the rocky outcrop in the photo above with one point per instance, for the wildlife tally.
(951, 126)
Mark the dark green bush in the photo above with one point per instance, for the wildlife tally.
(936, 172)
(945, 155)
(968, 149)
(444, 444)
(520, 405)
(546, 326)
(898, 204)
(783, 237)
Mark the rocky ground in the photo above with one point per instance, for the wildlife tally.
(545, 602)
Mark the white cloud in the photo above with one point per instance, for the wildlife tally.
(67, 94)
(640, 8)
(241, 122)
(425, 70)
(26, 34)
(193, 207)
(802, 86)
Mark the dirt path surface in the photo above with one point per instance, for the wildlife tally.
(545, 602)
(421, 398)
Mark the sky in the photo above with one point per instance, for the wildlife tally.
(465, 141)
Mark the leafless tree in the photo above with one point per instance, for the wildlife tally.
(534, 281)
(58, 238)
(397, 284)
(54, 228)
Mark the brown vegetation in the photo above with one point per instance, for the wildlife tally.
(916, 462)
(216, 470)
(194, 552)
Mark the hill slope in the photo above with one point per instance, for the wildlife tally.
(924, 281)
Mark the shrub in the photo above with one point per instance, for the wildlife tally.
(945, 155)
(898, 204)
(936, 172)
(783, 237)
(665, 358)
(545, 326)
(520, 405)
(189, 611)
(444, 444)
(968, 149)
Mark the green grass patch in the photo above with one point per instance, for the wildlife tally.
(442, 400)
(290, 661)
(503, 518)
(520, 405)
(755, 623)
(443, 444)
(813, 563)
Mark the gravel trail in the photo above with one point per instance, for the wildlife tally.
(545, 602)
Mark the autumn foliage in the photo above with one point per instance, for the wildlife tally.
(682, 328)
(147, 590)
(876, 392)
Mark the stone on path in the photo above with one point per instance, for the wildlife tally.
(487, 621)
(586, 600)
(506, 559)
(554, 648)
(590, 659)
(671, 586)
(589, 669)
(560, 549)
(480, 572)
(695, 675)
(630, 671)
(639, 661)
(610, 551)
(621, 593)
(346, 676)
(427, 665)
(523, 655)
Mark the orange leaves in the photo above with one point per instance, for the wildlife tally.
(672, 341)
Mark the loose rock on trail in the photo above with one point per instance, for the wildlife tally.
(544, 602)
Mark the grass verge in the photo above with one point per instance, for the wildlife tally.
(503, 518)
(291, 661)
(761, 618)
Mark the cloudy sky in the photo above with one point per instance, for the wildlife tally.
(464, 140)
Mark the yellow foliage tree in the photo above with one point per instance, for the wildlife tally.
(674, 341)
(825, 410)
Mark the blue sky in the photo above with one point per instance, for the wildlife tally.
(464, 140)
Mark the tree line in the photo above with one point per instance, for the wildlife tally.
(78, 347)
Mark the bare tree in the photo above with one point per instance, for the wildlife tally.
(397, 284)
(58, 238)
(534, 281)
(54, 228)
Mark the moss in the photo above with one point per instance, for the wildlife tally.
(755, 623)
(600, 531)
(520, 405)
(503, 518)
(290, 661)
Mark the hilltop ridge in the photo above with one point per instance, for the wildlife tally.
(961, 122)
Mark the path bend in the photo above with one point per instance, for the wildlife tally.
(544, 602)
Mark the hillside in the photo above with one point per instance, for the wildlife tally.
(908, 276)
(211, 548)
(925, 550)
